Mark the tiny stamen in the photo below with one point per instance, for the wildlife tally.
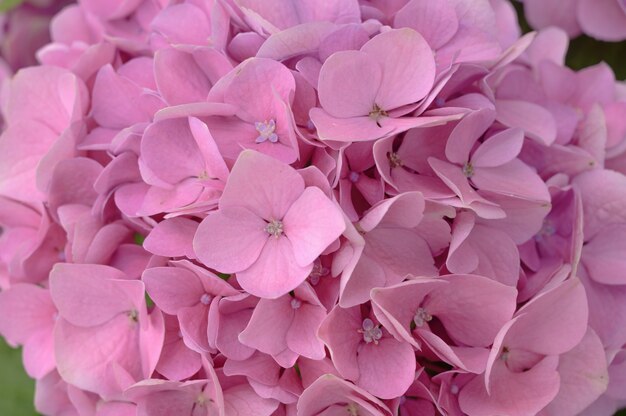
(275, 228)
(371, 332)
(133, 315)
(377, 113)
(296, 303)
(266, 131)
(468, 170)
(421, 317)
(354, 177)
(206, 299)
(353, 409)
(394, 160)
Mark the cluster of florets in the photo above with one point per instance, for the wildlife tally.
(338, 207)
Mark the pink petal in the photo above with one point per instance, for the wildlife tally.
(499, 149)
(437, 22)
(579, 389)
(602, 19)
(264, 79)
(536, 121)
(269, 325)
(542, 14)
(602, 256)
(348, 84)
(514, 178)
(466, 133)
(386, 369)
(515, 394)
(541, 329)
(262, 184)
(89, 295)
(302, 335)
(311, 224)
(275, 272)
(408, 67)
(230, 240)
(27, 309)
(172, 288)
(172, 238)
(179, 77)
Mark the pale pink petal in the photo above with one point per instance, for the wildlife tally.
(437, 22)
(172, 288)
(275, 272)
(262, 184)
(408, 67)
(348, 84)
(499, 149)
(90, 294)
(387, 369)
(536, 121)
(172, 238)
(269, 325)
(602, 19)
(579, 389)
(312, 223)
(302, 335)
(603, 258)
(230, 240)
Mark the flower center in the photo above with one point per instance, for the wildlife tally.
(318, 272)
(505, 354)
(266, 131)
(371, 332)
(394, 160)
(421, 317)
(296, 303)
(376, 113)
(354, 177)
(353, 409)
(275, 228)
(468, 170)
(206, 299)
(133, 315)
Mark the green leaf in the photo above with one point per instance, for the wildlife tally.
(149, 301)
(8, 5)
(17, 389)
(224, 276)
(139, 239)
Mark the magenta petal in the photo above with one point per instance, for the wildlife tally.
(230, 240)
(275, 272)
(312, 223)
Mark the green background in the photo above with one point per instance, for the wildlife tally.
(17, 390)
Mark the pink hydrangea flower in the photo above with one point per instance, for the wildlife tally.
(269, 227)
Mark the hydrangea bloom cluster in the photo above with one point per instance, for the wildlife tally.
(347, 207)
